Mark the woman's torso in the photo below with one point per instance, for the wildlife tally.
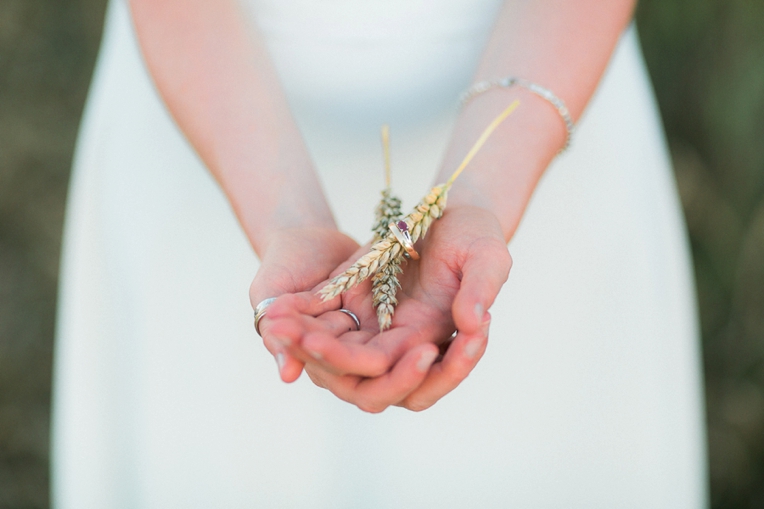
(588, 394)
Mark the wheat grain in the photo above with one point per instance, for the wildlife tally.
(381, 252)
(387, 249)
(387, 252)
(385, 286)
(388, 211)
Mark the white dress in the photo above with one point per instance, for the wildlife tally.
(589, 394)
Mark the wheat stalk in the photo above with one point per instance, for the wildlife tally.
(389, 208)
(387, 249)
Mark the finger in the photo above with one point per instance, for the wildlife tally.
(362, 353)
(376, 394)
(348, 355)
(285, 331)
(338, 322)
(290, 330)
(460, 359)
(289, 366)
(292, 327)
(304, 303)
(484, 272)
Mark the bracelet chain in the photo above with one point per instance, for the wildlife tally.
(544, 93)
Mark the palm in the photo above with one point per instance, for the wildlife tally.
(295, 261)
(423, 313)
(426, 312)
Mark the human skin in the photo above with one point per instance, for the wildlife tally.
(564, 46)
(215, 76)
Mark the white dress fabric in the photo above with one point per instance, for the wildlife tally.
(589, 394)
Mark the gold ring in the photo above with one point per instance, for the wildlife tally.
(401, 233)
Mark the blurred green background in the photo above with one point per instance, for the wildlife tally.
(706, 58)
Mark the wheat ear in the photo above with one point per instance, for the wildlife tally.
(384, 283)
(389, 208)
(381, 252)
(384, 287)
(418, 221)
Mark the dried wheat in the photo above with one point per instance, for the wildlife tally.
(381, 252)
(386, 251)
(388, 211)
(385, 286)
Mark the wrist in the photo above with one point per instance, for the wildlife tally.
(276, 199)
(506, 170)
(307, 241)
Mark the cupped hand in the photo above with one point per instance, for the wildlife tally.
(464, 262)
(296, 260)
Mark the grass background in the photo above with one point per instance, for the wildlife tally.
(706, 58)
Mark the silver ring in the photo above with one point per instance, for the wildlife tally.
(401, 233)
(352, 315)
(260, 312)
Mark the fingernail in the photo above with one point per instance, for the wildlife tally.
(313, 353)
(485, 326)
(425, 361)
(479, 311)
(280, 359)
(473, 347)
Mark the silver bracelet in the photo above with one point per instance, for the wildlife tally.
(510, 81)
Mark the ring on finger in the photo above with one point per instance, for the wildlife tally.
(353, 316)
(260, 312)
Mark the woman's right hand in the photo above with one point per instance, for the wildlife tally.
(296, 260)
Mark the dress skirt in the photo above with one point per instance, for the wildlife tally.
(589, 394)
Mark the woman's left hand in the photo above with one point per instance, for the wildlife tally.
(295, 260)
(464, 263)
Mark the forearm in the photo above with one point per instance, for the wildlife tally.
(563, 46)
(215, 76)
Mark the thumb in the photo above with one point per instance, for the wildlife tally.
(484, 272)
